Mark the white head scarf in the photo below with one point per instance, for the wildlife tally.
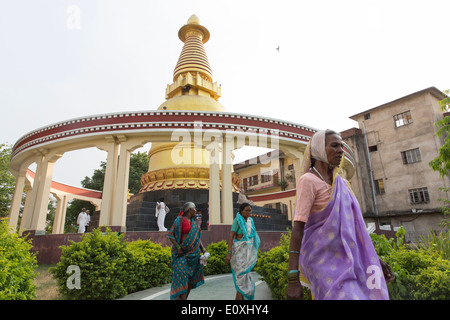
(318, 151)
(187, 206)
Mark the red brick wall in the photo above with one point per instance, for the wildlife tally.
(48, 250)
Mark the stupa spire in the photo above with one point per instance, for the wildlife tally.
(193, 87)
(193, 57)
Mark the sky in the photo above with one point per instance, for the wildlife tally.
(63, 59)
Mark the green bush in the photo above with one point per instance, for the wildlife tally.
(216, 262)
(111, 267)
(433, 283)
(17, 266)
(439, 241)
(383, 246)
(102, 259)
(150, 266)
(273, 267)
(421, 274)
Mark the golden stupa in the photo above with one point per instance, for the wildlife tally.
(192, 89)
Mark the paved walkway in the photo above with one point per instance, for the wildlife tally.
(217, 287)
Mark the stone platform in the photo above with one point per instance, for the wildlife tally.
(141, 210)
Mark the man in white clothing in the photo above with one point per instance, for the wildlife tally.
(161, 214)
(88, 219)
(82, 221)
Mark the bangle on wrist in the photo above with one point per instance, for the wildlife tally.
(293, 276)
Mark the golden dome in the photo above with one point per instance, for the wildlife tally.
(197, 103)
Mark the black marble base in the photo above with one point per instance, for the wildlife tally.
(141, 210)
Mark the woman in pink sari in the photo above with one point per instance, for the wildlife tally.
(330, 245)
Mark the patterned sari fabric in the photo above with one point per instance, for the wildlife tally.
(337, 255)
(244, 257)
(187, 268)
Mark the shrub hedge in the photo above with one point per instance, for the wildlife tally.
(111, 267)
(103, 261)
(273, 267)
(420, 274)
(17, 266)
(216, 262)
(150, 266)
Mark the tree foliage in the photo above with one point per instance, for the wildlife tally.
(7, 180)
(138, 166)
(441, 163)
(96, 181)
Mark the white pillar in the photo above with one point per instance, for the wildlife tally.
(27, 211)
(17, 199)
(227, 194)
(123, 172)
(214, 193)
(60, 215)
(30, 199)
(109, 184)
(40, 209)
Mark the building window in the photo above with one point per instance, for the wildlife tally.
(373, 148)
(367, 116)
(419, 195)
(411, 156)
(252, 181)
(379, 186)
(266, 177)
(402, 119)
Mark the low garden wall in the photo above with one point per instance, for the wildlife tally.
(48, 251)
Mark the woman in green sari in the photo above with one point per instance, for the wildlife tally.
(243, 244)
(187, 269)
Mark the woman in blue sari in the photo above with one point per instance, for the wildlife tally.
(243, 244)
(187, 269)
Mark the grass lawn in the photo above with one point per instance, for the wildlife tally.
(47, 288)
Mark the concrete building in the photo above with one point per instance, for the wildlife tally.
(401, 141)
(259, 177)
